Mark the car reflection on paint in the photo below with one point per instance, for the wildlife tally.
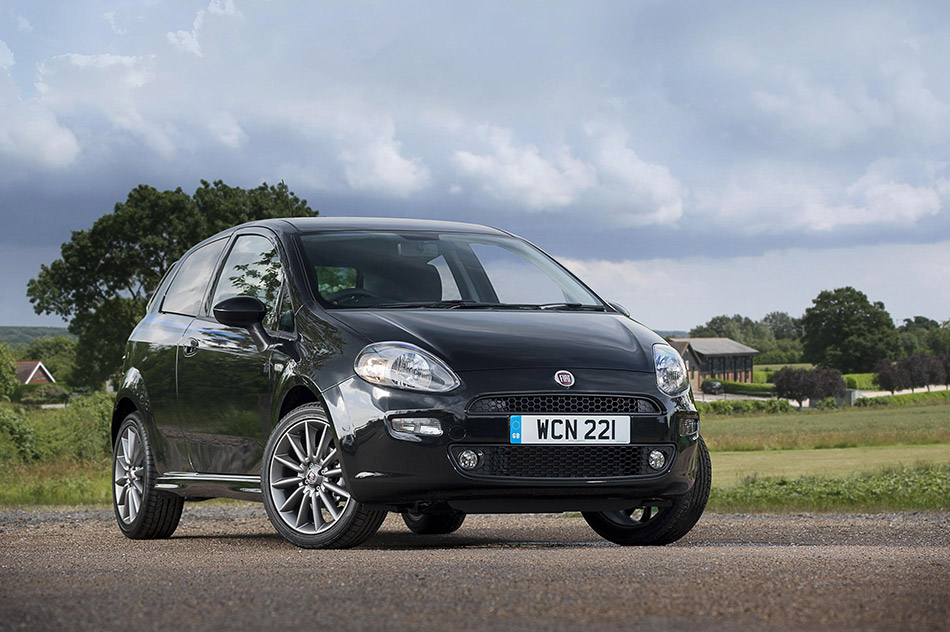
(340, 369)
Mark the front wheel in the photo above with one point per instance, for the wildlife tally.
(661, 524)
(143, 513)
(304, 489)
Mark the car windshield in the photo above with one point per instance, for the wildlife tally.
(439, 271)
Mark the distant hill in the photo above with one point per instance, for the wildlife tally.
(673, 334)
(25, 335)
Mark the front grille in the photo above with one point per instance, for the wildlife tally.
(563, 461)
(564, 404)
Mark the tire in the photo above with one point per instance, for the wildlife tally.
(654, 526)
(304, 487)
(433, 523)
(143, 513)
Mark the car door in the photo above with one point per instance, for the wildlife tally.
(224, 384)
(157, 340)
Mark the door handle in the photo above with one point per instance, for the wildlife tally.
(190, 348)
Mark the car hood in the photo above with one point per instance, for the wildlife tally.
(474, 340)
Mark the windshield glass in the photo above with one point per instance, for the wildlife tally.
(438, 270)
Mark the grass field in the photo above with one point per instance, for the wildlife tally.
(856, 427)
(729, 468)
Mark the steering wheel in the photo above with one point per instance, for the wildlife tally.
(350, 295)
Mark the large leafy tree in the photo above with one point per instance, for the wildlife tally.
(106, 274)
(846, 331)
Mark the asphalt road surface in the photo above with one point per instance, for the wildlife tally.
(226, 569)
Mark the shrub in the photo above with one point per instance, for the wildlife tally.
(827, 403)
(44, 394)
(746, 388)
(21, 433)
(903, 400)
(743, 406)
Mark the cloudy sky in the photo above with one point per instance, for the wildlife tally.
(687, 159)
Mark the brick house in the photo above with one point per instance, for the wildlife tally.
(715, 359)
(33, 372)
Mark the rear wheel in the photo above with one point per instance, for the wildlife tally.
(143, 513)
(433, 523)
(656, 525)
(304, 489)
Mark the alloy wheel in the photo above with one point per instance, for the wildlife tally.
(306, 479)
(129, 475)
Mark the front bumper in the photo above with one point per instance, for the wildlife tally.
(415, 472)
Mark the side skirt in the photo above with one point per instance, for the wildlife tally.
(200, 486)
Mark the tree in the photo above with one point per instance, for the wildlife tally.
(845, 331)
(8, 381)
(915, 334)
(783, 326)
(891, 376)
(824, 383)
(106, 274)
(936, 373)
(57, 353)
(792, 384)
(915, 367)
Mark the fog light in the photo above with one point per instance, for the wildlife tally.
(657, 460)
(423, 426)
(468, 459)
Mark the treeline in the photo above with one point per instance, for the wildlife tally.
(841, 330)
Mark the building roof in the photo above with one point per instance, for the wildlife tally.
(712, 346)
(26, 369)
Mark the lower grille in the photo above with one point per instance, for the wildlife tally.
(563, 461)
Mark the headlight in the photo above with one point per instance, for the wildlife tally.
(403, 365)
(671, 375)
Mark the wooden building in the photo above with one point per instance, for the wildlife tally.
(715, 359)
(33, 372)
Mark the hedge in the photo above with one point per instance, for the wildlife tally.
(903, 400)
(744, 406)
(745, 388)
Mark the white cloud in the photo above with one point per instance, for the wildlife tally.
(613, 182)
(902, 276)
(379, 167)
(30, 135)
(112, 85)
(765, 200)
(831, 115)
(110, 17)
(187, 41)
(521, 174)
(227, 130)
(23, 25)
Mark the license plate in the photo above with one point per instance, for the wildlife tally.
(569, 429)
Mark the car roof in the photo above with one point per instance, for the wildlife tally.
(314, 224)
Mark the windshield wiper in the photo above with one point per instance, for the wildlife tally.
(580, 307)
(447, 304)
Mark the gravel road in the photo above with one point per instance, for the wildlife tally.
(225, 568)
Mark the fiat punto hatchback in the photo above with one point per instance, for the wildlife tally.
(340, 369)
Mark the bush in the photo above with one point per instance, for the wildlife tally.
(860, 381)
(827, 403)
(44, 394)
(743, 406)
(904, 400)
(21, 434)
(746, 388)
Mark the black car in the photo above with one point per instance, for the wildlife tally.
(712, 387)
(339, 369)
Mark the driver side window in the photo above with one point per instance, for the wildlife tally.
(252, 269)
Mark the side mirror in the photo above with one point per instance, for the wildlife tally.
(246, 312)
(619, 308)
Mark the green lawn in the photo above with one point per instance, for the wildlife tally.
(911, 425)
(731, 467)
